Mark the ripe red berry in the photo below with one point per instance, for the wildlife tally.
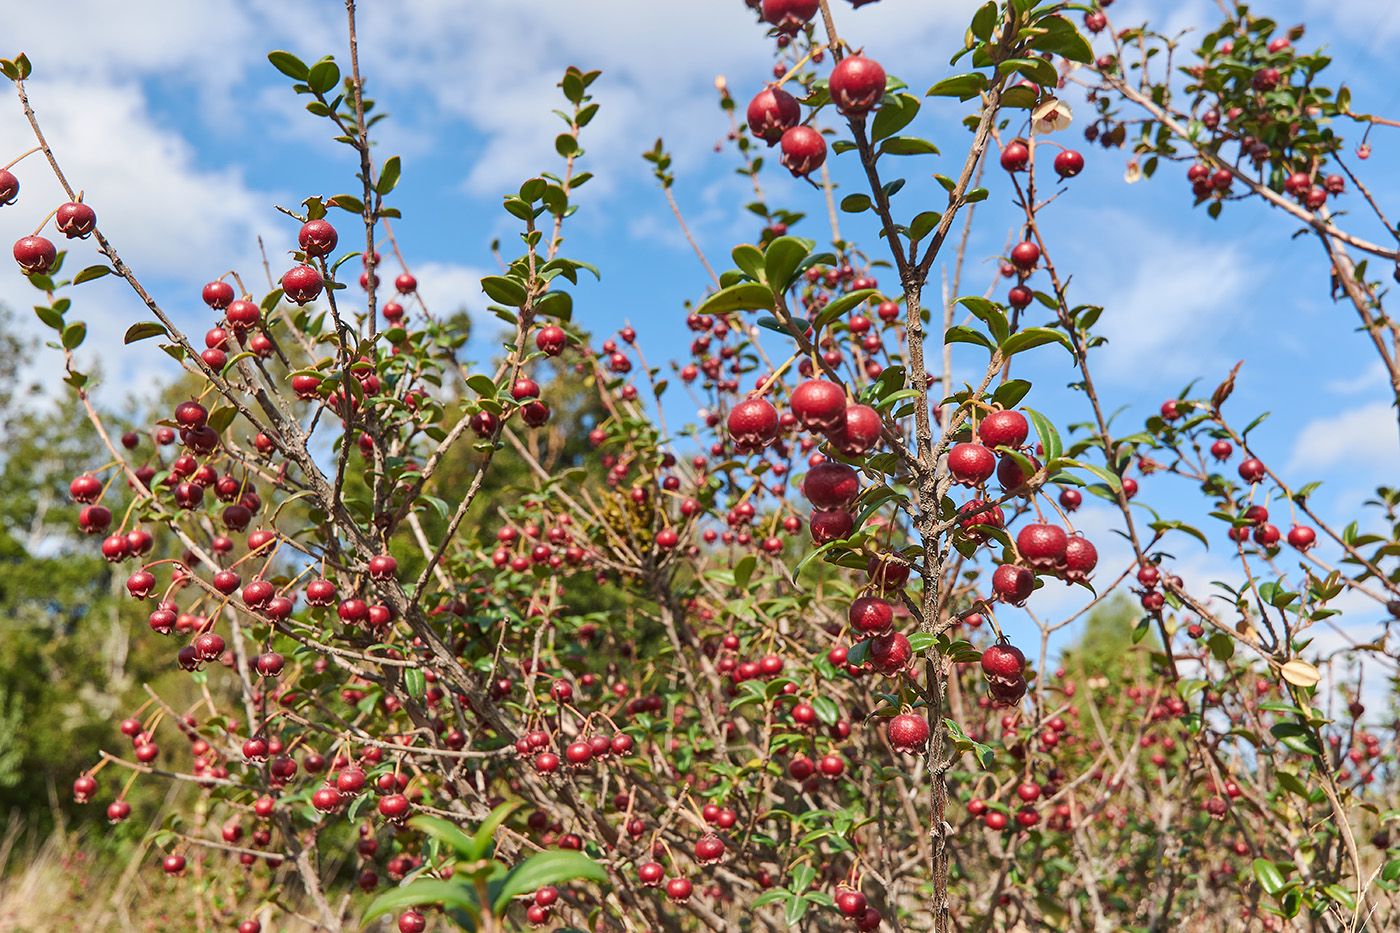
(803, 150)
(908, 733)
(1004, 661)
(9, 187)
(1025, 255)
(858, 432)
(1015, 156)
(831, 485)
(818, 405)
(857, 84)
(1081, 557)
(771, 113)
(1251, 470)
(971, 464)
(831, 525)
(1069, 163)
(1004, 429)
(789, 16)
(75, 220)
(551, 340)
(871, 615)
(36, 255)
(1042, 546)
(302, 284)
(1071, 499)
(1302, 537)
(753, 425)
(317, 237)
(678, 889)
(890, 653)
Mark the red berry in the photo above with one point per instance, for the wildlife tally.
(302, 284)
(789, 16)
(771, 113)
(36, 255)
(75, 220)
(831, 485)
(1004, 429)
(317, 237)
(818, 405)
(753, 425)
(971, 464)
(857, 84)
(803, 150)
(1069, 163)
(1042, 546)
(1004, 661)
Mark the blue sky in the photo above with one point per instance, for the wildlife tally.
(184, 138)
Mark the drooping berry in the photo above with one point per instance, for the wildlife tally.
(772, 112)
(857, 84)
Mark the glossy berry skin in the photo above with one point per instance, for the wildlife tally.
(1221, 450)
(859, 431)
(1071, 499)
(803, 150)
(1301, 537)
(1004, 429)
(1004, 661)
(771, 113)
(831, 525)
(35, 255)
(1025, 255)
(1069, 163)
(908, 733)
(818, 405)
(551, 340)
(789, 16)
(871, 615)
(831, 485)
(9, 187)
(1015, 156)
(75, 220)
(1251, 470)
(857, 84)
(1081, 557)
(971, 464)
(753, 425)
(890, 653)
(173, 864)
(302, 284)
(679, 889)
(1042, 546)
(411, 921)
(217, 295)
(317, 237)
(650, 873)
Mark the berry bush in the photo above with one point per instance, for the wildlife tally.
(499, 646)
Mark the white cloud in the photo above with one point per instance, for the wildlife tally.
(1367, 380)
(1363, 439)
(1165, 298)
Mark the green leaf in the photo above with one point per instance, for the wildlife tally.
(456, 894)
(782, 258)
(90, 273)
(962, 334)
(220, 418)
(1010, 393)
(855, 203)
(449, 835)
(1045, 431)
(1268, 876)
(323, 76)
(896, 112)
(505, 290)
(1063, 38)
(51, 317)
(827, 710)
(922, 641)
(388, 176)
(554, 866)
(743, 571)
(1033, 337)
(907, 145)
(796, 909)
(924, 224)
(415, 683)
(749, 258)
(847, 302)
(1112, 479)
(984, 21)
(1297, 737)
(74, 335)
(556, 305)
(484, 839)
(963, 87)
(288, 64)
(745, 296)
